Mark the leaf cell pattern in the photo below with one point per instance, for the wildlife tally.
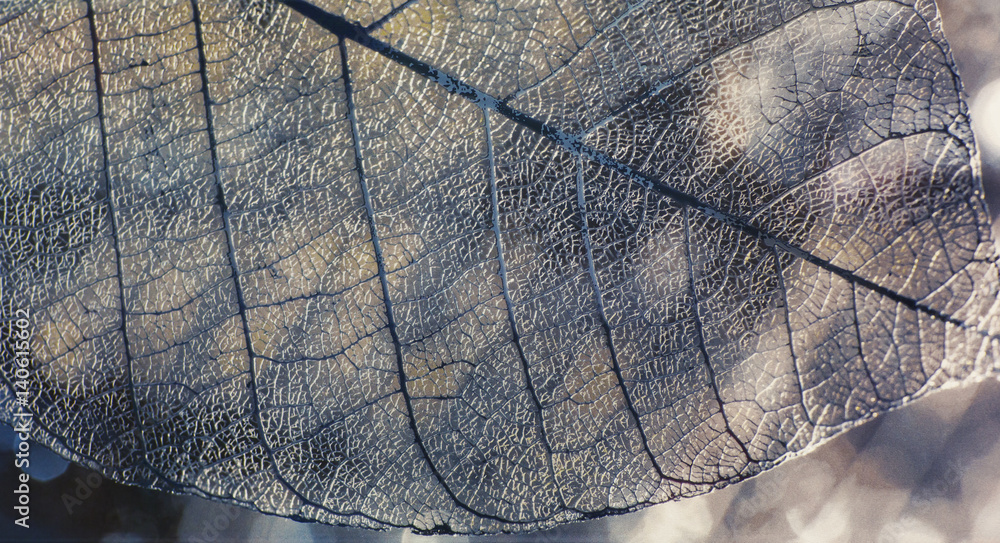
(481, 267)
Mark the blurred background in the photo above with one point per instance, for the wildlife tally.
(927, 473)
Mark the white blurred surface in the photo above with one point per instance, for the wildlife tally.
(985, 113)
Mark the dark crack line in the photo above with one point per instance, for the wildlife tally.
(388, 16)
(791, 339)
(515, 335)
(701, 335)
(386, 300)
(581, 202)
(348, 30)
(861, 349)
(338, 25)
(220, 200)
(99, 90)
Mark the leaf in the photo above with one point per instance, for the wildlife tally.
(480, 267)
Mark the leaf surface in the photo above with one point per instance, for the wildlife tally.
(481, 267)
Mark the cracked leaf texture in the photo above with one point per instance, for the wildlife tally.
(481, 266)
